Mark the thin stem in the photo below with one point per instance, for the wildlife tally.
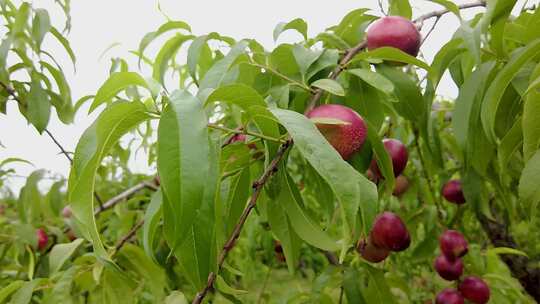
(247, 132)
(230, 243)
(284, 77)
(127, 237)
(430, 30)
(126, 194)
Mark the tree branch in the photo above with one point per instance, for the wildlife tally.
(127, 237)
(230, 243)
(362, 45)
(126, 194)
(498, 233)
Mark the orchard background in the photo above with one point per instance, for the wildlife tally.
(327, 170)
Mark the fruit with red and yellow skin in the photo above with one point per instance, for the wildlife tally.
(475, 290)
(448, 269)
(42, 239)
(398, 155)
(449, 296)
(396, 32)
(344, 129)
(453, 244)
(453, 192)
(390, 233)
(370, 252)
(401, 186)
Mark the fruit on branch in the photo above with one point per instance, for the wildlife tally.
(42, 239)
(453, 192)
(401, 186)
(390, 233)
(474, 289)
(157, 180)
(344, 129)
(240, 138)
(398, 154)
(447, 269)
(66, 212)
(278, 249)
(453, 244)
(449, 296)
(370, 252)
(2, 209)
(394, 31)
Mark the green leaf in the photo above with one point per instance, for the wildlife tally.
(377, 290)
(353, 191)
(96, 141)
(392, 54)
(305, 57)
(61, 292)
(351, 286)
(284, 232)
(375, 80)
(215, 76)
(188, 168)
(196, 49)
(60, 253)
(223, 287)
(297, 24)
(249, 100)
(64, 108)
(330, 86)
(469, 95)
(306, 228)
(9, 289)
(164, 28)
(411, 104)
(65, 43)
(176, 297)
(531, 123)
(15, 160)
(444, 57)
(497, 88)
(510, 143)
(152, 218)
(506, 250)
(39, 105)
(400, 8)
(133, 258)
(24, 294)
(384, 161)
(41, 25)
(529, 192)
(239, 192)
(114, 84)
(166, 54)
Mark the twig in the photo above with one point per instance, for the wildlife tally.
(57, 143)
(362, 45)
(124, 195)
(244, 131)
(430, 30)
(229, 245)
(127, 237)
(420, 20)
(285, 77)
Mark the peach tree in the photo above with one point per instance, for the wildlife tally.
(328, 170)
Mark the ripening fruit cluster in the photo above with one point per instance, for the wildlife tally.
(388, 234)
(450, 267)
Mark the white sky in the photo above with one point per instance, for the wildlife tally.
(97, 24)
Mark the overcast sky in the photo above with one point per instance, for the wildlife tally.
(97, 24)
